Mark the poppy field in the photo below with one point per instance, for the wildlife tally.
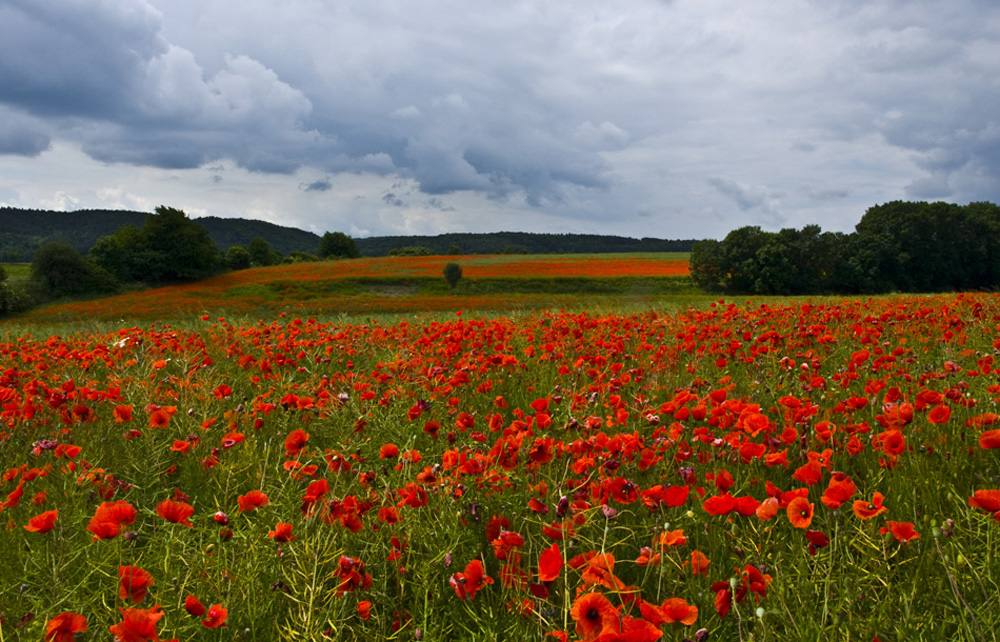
(754, 470)
(402, 284)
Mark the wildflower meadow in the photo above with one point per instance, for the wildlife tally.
(822, 469)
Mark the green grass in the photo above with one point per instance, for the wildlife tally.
(17, 271)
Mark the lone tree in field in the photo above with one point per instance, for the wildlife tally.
(337, 245)
(238, 258)
(169, 247)
(452, 274)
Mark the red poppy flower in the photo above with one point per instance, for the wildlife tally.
(768, 508)
(365, 610)
(902, 532)
(253, 500)
(134, 582)
(42, 523)
(987, 500)
(282, 532)
(599, 570)
(176, 512)
(470, 581)
(867, 510)
(647, 557)
(138, 625)
(180, 446)
(747, 506)
(817, 540)
(990, 440)
(122, 414)
(939, 414)
(840, 489)
(109, 518)
(594, 614)
(699, 563)
(550, 564)
(719, 504)
(216, 617)
(159, 418)
(670, 539)
(388, 451)
(64, 627)
(295, 442)
(800, 512)
(676, 609)
(194, 606)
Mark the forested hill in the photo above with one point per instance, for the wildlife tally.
(514, 242)
(22, 231)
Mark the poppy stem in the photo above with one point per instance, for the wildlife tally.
(958, 595)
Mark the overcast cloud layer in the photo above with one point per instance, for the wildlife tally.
(673, 119)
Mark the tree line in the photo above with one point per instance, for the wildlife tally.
(900, 246)
(168, 248)
(24, 231)
(515, 243)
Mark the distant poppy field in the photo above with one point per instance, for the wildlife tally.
(404, 284)
(782, 470)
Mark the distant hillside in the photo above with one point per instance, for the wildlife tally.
(227, 232)
(22, 231)
(517, 242)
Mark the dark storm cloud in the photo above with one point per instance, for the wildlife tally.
(22, 135)
(322, 185)
(572, 116)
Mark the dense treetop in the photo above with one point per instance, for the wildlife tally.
(899, 246)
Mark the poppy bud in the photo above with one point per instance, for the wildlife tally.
(221, 518)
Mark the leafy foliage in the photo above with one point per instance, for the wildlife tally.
(238, 258)
(261, 254)
(411, 250)
(169, 247)
(899, 246)
(59, 270)
(337, 245)
(499, 242)
(452, 274)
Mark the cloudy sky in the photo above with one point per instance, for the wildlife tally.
(663, 118)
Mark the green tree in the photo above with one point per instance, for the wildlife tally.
(238, 258)
(125, 254)
(452, 274)
(301, 257)
(337, 245)
(168, 247)
(708, 270)
(411, 250)
(261, 254)
(182, 249)
(59, 270)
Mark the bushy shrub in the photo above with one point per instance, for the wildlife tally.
(238, 258)
(411, 250)
(59, 270)
(452, 274)
(13, 299)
